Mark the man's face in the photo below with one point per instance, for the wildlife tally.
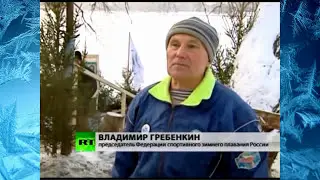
(186, 57)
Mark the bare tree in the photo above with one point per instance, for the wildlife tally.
(83, 18)
(126, 5)
(213, 10)
(205, 11)
(105, 6)
(217, 9)
(94, 6)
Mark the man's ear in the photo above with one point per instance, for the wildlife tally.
(209, 61)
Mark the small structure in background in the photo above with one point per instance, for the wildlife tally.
(112, 122)
(92, 64)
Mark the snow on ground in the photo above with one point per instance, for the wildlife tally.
(275, 168)
(78, 164)
(93, 164)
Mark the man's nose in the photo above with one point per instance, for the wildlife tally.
(181, 52)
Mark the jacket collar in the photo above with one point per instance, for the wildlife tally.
(202, 92)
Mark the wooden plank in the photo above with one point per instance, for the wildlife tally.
(98, 78)
(269, 120)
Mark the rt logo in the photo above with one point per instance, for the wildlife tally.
(85, 142)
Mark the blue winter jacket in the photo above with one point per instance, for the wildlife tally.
(211, 107)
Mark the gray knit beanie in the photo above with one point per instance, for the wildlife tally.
(200, 30)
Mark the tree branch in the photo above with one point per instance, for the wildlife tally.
(126, 5)
(84, 20)
(106, 8)
(217, 7)
(205, 11)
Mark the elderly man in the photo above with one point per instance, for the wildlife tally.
(190, 99)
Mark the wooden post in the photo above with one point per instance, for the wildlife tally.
(123, 107)
(74, 88)
(129, 52)
(66, 144)
(70, 31)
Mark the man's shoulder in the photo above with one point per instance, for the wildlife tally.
(232, 100)
(143, 93)
(146, 89)
(241, 112)
(227, 94)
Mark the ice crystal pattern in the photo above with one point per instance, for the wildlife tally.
(19, 56)
(301, 19)
(315, 28)
(300, 104)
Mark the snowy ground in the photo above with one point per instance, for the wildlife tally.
(91, 164)
(84, 164)
(275, 169)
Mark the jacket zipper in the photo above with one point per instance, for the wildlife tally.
(160, 169)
